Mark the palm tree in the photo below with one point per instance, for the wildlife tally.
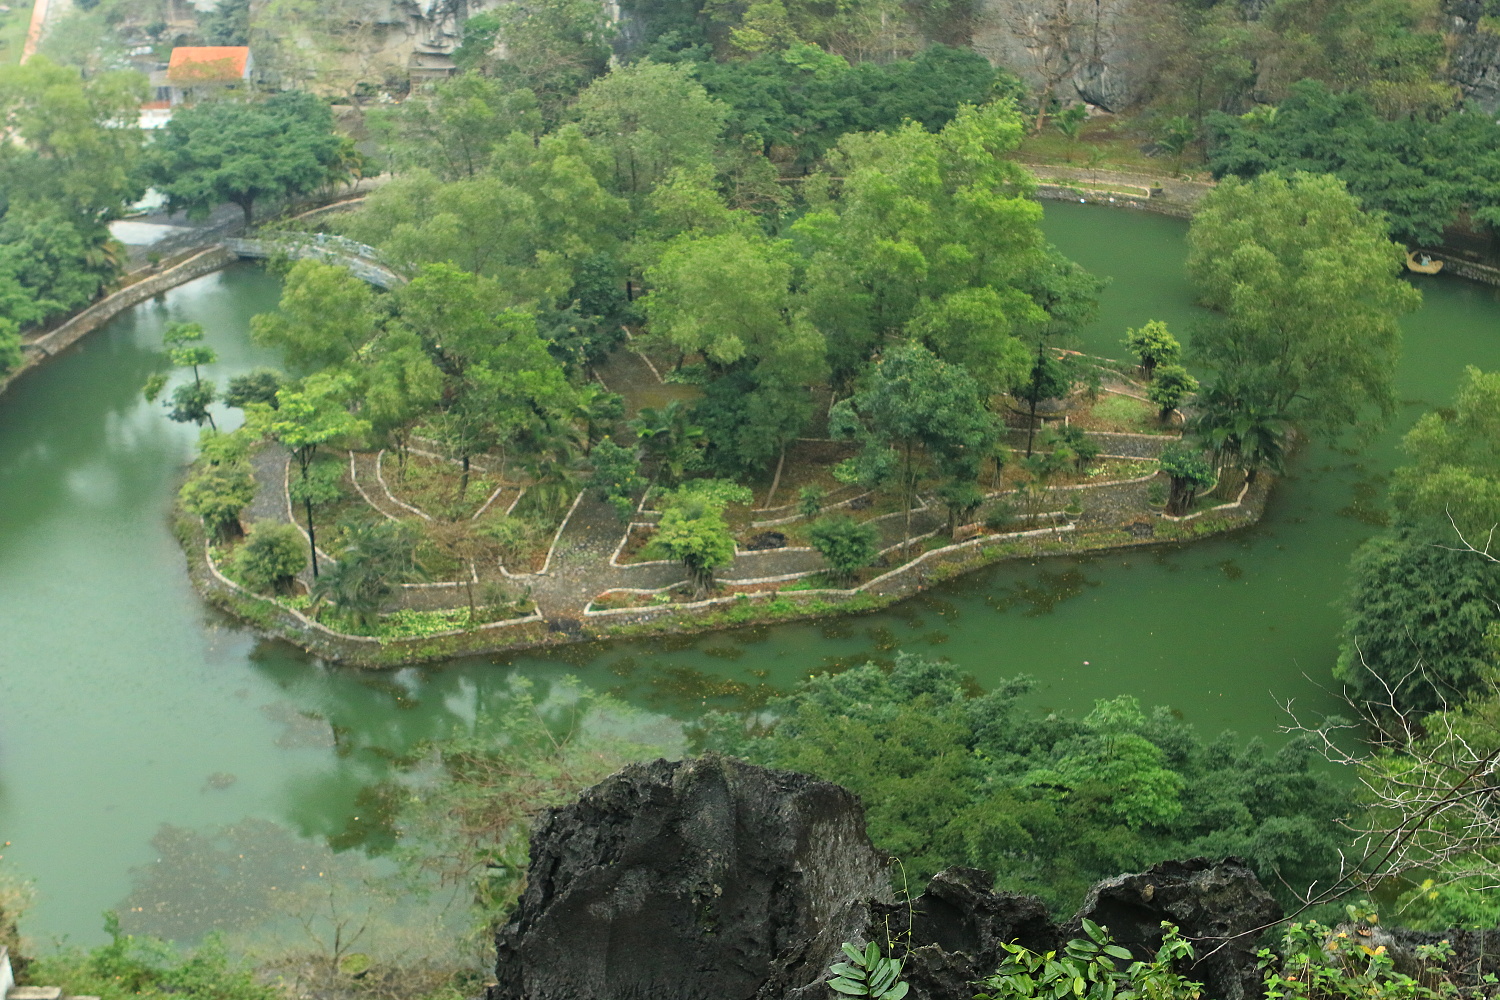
(669, 436)
(597, 409)
(377, 557)
(1239, 429)
(549, 450)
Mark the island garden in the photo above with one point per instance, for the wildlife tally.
(662, 361)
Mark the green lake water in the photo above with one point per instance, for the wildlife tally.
(130, 713)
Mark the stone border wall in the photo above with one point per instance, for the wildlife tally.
(48, 344)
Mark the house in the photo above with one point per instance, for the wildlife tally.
(197, 70)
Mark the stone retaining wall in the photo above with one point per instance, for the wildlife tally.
(106, 309)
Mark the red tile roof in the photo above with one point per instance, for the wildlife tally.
(208, 64)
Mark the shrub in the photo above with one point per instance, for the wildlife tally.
(846, 544)
(810, 500)
(1089, 969)
(1170, 386)
(271, 556)
(217, 494)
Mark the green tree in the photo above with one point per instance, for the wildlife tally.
(1048, 378)
(847, 545)
(1188, 472)
(1174, 136)
(1452, 479)
(325, 316)
(452, 127)
(911, 402)
(616, 478)
(189, 402)
(376, 558)
(1047, 801)
(1154, 345)
(226, 151)
(652, 117)
(272, 554)
(1307, 297)
(1417, 617)
(217, 494)
(67, 144)
(1169, 388)
(260, 386)
(306, 419)
(319, 485)
(669, 435)
(226, 24)
(1237, 428)
(552, 48)
(692, 531)
(921, 216)
(11, 355)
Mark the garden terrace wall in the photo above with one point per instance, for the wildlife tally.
(278, 620)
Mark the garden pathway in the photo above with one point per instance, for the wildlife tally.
(580, 567)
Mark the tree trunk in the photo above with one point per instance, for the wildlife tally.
(248, 207)
(908, 485)
(1031, 428)
(1041, 107)
(469, 590)
(463, 481)
(312, 536)
(776, 479)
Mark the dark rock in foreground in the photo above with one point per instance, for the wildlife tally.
(712, 879)
(958, 926)
(1219, 906)
(690, 880)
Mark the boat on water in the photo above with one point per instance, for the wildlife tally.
(1422, 263)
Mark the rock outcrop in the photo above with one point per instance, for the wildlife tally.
(1217, 905)
(712, 879)
(956, 929)
(705, 879)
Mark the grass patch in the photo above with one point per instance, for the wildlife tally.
(407, 624)
(1120, 414)
(13, 28)
(1122, 146)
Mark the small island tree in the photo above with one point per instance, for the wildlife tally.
(272, 555)
(693, 531)
(1170, 387)
(1189, 471)
(1153, 345)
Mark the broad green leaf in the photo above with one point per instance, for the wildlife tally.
(855, 954)
(896, 992)
(845, 986)
(1118, 952)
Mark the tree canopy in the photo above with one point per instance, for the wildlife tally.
(1047, 802)
(228, 151)
(1307, 299)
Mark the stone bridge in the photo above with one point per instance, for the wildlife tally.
(363, 261)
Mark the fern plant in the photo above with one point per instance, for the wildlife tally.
(868, 973)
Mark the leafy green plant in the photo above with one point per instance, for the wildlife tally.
(1317, 963)
(868, 973)
(810, 500)
(1089, 969)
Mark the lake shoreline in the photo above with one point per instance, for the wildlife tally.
(274, 619)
